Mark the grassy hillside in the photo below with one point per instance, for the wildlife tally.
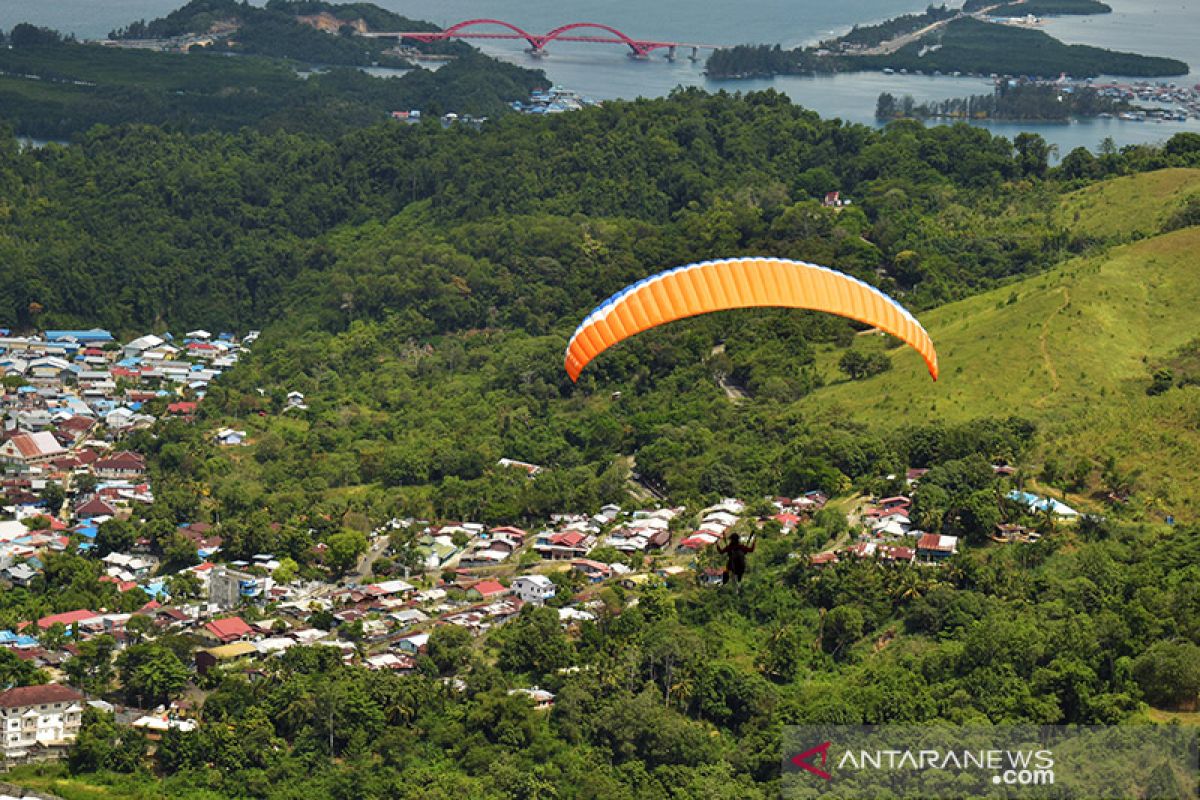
(1073, 349)
(1133, 205)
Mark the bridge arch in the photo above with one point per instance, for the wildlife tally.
(534, 41)
(638, 48)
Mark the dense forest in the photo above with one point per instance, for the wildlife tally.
(964, 44)
(1023, 102)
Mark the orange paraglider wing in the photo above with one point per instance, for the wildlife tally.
(740, 283)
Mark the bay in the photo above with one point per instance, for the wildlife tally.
(1156, 27)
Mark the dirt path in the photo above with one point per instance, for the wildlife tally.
(1055, 383)
(736, 394)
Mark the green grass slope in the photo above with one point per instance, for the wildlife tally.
(1129, 206)
(1072, 349)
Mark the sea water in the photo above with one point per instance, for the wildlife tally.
(1153, 27)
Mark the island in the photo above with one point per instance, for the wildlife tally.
(297, 69)
(1012, 101)
(943, 41)
(1039, 8)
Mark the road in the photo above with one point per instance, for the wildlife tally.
(892, 45)
(367, 559)
(736, 394)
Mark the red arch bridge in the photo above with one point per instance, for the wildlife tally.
(590, 32)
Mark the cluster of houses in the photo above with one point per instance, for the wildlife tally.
(887, 534)
(68, 398)
(554, 100)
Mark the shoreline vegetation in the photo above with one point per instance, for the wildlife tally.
(54, 87)
(947, 41)
(1032, 101)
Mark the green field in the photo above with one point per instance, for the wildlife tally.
(1073, 349)
(1136, 205)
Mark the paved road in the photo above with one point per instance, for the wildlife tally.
(367, 559)
(892, 45)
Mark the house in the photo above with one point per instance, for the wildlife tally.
(712, 576)
(120, 466)
(787, 520)
(892, 503)
(76, 427)
(96, 506)
(936, 547)
(416, 643)
(229, 588)
(594, 571)
(835, 200)
(229, 629)
(487, 590)
(19, 575)
(563, 545)
(517, 535)
(542, 700)
(66, 618)
(530, 469)
(184, 408)
(47, 716)
(913, 475)
(90, 336)
(535, 589)
(295, 400)
(1010, 533)
(698, 541)
(228, 437)
(391, 661)
(810, 502)
(822, 559)
(211, 657)
(31, 449)
(1042, 504)
(140, 345)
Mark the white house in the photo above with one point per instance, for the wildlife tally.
(228, 437)
(33, 716)
(141, 344)
(536, 589)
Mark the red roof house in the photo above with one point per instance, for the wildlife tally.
(67, 618)
(488, 589)
(227, 630)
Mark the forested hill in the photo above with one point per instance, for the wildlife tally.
(51, 88)
(213, 229)
(438, 272)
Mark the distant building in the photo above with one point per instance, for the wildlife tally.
(228, 630)
(535, 589)
(40, 718)
(936, 546)
(31, 449)
(230, 588)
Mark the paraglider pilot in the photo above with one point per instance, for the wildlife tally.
(735, 564)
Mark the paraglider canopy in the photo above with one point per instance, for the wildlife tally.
(740, 283)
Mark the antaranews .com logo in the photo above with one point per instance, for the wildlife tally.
(937, 761)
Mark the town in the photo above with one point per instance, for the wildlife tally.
(73, 399)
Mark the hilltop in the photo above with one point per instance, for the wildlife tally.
(1073, 349)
